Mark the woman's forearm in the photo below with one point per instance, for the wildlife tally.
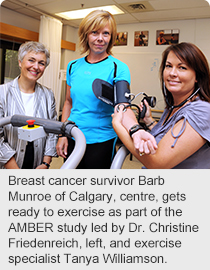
(11, 164)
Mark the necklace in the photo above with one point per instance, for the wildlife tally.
(172, 107)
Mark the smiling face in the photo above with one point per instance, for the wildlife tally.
(98, 40)
(33, 65)
(179, 78)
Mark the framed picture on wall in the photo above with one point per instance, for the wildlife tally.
(122, 39)
(166, 37)
(141, 38)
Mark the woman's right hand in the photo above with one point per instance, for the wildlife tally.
(62, 146)
(148, 115)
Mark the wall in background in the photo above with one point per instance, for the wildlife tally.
(143, 61)
(19, 20)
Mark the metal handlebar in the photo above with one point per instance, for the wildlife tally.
(119, 158)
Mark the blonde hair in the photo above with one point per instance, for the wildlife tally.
(94, 21)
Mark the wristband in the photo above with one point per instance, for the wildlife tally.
(149, 125)
(46, 164)
(61, 135)
(134, 128)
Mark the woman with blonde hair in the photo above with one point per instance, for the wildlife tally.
(97, 34)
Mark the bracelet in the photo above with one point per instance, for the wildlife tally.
(149, 125)
(134, 128)
(61, 135)
(46, 164)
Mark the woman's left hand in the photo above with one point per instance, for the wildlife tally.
(42, 166)
(148, 115)
(47, 160)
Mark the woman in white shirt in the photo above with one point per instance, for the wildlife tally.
(25, 96)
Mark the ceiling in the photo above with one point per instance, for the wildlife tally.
(135, 11)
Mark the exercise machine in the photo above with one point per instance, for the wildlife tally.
(68, 129)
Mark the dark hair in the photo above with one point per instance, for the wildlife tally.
(193, 57)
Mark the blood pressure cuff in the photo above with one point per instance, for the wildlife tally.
(112, 95)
